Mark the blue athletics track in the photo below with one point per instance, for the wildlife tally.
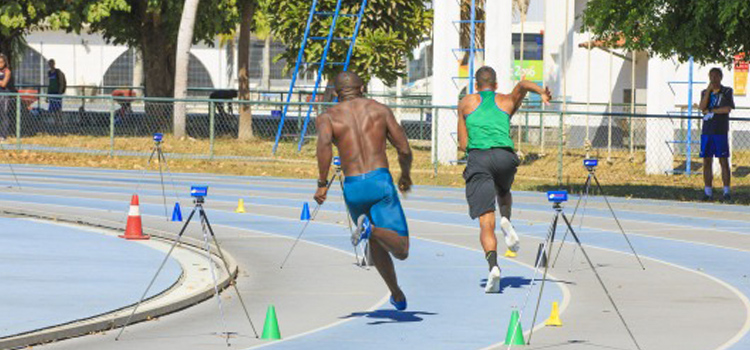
(692, 294)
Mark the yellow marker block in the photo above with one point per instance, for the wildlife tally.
(240, 206)
(510, 254)
(554, 318)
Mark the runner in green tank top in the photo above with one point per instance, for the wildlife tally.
(484, 132)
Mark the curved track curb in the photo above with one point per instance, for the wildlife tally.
(150, 309)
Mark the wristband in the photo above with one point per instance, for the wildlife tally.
(322, 183)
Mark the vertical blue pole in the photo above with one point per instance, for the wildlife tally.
(690, 116)
(354, 35)
(472, 45)
(321, 68)
(300, 58)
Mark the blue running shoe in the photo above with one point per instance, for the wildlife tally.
(399, 305)
(363, 230)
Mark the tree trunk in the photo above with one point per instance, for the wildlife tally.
(158, 62)
(6, 47)
(182, 57)
(266, 76)
(138, 70)
(245, 131)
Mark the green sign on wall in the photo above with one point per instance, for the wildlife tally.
(532, 70)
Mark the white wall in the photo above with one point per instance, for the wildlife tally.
(445, 88)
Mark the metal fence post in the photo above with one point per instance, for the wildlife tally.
(560, 153)
(435, 115)
(541, 133)
(111, 126)
(526, 131)
(212, 129)
(18, 122)
(421, 125)
(630, 126)
(609, 138)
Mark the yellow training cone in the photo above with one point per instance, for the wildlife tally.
(510, 254)
(554, 317)
(240, 206)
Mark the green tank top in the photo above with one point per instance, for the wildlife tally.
(488, 126)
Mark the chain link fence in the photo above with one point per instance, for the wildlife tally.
(551, 143)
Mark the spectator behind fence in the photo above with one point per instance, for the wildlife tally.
(57, 86)
(716, 103)
(6, 85)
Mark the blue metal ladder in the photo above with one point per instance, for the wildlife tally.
(688, 141)
(472, 50)
(323, 60)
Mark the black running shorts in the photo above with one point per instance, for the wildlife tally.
(489, 173)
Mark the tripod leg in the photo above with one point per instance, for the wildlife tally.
(544, 276)
(12, 171)
(143, 173)
(601, 282)
(580, 224)
(207, 248)
(618, 222)
(586, 186)
(533, 277)
(169, 172)
(161, 178)
(312, 217)
(164, 262)
(226, 266)
(349, 220)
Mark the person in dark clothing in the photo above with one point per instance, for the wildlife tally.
(717, 101)
(56, 86)
(6, 85)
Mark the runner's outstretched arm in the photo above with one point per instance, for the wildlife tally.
(397, 137)
(524, 87)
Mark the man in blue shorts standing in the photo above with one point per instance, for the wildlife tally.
(360, 127)
(716, 103)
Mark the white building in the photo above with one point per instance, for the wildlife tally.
(573, 72)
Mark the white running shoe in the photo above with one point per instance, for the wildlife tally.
(493, 281)
(511, 238)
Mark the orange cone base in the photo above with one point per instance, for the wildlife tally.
(135, 237)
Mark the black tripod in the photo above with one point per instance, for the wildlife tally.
(207, 230)
(590, 165)
(160, 158)
(557, 198)
(338, 173)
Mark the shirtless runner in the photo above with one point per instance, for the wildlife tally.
(359, 127)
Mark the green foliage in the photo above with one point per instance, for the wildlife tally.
(123, 21)
(390, 30)
(18, 17)
(708, 30)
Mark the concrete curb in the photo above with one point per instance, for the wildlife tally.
(115, 318)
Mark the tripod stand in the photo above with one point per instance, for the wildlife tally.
(557, 198)
(338, 172)
(199, 194)
(160, 158)
(12, 171)
(590, 165)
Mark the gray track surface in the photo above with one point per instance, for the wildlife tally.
(691, 296)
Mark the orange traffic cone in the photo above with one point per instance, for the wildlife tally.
(134, 228)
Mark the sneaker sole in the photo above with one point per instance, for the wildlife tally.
(511, 237)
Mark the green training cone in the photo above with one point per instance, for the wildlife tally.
(271, 328)
(510, 339)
